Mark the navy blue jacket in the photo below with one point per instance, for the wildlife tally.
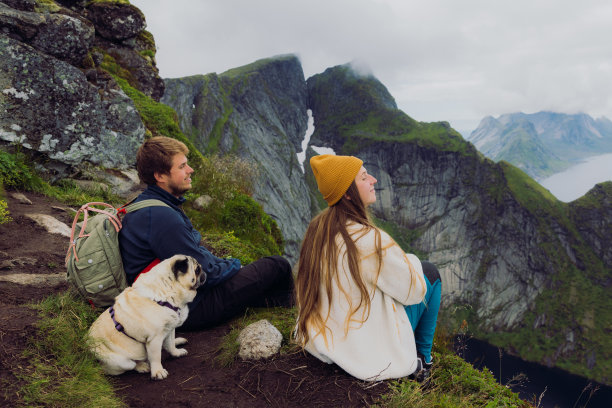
(162, 232)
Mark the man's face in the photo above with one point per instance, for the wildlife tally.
(178, 181)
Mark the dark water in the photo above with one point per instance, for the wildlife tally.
(561, 389)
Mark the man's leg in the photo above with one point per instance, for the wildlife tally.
(265, 282)
(423, 317)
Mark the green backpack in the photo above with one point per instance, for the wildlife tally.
(93, 261)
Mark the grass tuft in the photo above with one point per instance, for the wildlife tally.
(62, 371)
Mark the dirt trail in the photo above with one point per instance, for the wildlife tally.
(34, 257)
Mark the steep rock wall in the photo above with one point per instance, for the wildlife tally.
(259, 113)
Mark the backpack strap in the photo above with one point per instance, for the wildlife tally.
(141, 204)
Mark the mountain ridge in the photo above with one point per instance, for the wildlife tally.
(554, 142)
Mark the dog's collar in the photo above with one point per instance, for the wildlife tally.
(169, 305)
(118, 325)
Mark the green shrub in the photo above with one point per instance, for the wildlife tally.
(4, 213)
(15, 173)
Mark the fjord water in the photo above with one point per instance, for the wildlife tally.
(560, 388)
(577, 180)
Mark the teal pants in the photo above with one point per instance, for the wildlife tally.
(424, 316)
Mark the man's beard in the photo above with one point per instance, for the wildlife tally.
(178, 191)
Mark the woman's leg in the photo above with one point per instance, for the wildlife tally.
(423, 317)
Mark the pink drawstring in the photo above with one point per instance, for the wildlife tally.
(113, 218)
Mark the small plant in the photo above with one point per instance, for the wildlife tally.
(4, 213)
(16, 173)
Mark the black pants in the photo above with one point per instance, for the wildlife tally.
(267, 282)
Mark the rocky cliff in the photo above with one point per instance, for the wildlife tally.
(259, 113)
(55, 99)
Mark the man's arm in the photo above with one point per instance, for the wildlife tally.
(170, 235)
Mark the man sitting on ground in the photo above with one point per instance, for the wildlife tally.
(153, 234)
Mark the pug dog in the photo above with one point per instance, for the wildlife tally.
(130, 334)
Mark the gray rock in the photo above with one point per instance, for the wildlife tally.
(23, 5)
(21, 198)
(22, 25)
(47, 105)
(202, 202)
(20, 261)
(116, 21)
(34, 279)
(51, 224)
(90, 185)
(259, 340)
(65, 37)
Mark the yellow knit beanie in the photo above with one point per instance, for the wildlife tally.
(334, 175)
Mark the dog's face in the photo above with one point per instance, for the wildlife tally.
(187, 272)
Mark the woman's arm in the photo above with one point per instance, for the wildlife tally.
(401, 274)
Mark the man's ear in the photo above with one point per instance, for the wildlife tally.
(160, 177)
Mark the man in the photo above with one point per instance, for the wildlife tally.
(153, 234)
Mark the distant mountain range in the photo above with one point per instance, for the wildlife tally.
(542, 143)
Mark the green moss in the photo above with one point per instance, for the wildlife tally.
(110, 65)
(148, 53)
(147, 39)
(46, 6)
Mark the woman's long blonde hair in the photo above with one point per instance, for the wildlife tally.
(318, 263)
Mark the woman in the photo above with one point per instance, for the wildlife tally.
(362, 301)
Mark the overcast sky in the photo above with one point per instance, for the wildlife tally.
(450, 60)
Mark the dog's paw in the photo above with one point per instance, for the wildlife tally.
(179, 341)
(179, 352)
(159, 374)
(143, 367)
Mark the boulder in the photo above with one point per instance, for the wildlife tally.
(115, 21)
(65, 37)
(48, 106)
(21, 25)
(259, 340)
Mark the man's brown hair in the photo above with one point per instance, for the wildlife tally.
(155, 156)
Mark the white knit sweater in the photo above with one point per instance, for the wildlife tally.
(383, 346)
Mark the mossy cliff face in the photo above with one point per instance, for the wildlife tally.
(56, 100)
(526, 271)
(259, 113)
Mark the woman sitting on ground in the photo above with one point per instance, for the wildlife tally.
(363, 303)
